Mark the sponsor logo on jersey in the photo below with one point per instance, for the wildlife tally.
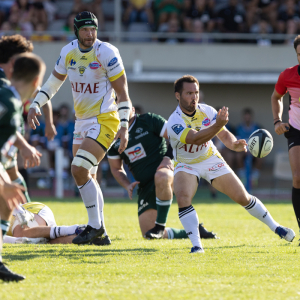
(216, 167)
(139, 130)
(184, 167)
(114, 67)
(82, 87)
(177, 128)
(194, 119)
(142, 205)
(197, 128)
(189, 126)
(141, 135)
(83, 57)
(112, 62)
(206, 122)
(72, 62)
(94, 65)
(57, 62)
(136, 152)
(81, 70)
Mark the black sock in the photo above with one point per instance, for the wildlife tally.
(159, 227)
(296, 203)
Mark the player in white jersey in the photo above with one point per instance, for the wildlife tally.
(190, 129)
(97, 77)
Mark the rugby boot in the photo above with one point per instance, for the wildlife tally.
(87, 235)
(205, 234)
(101, 241)
(157, 232)
(285, 233)
(7, 275)
(197, 249)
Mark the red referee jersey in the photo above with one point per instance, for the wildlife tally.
(289, 81)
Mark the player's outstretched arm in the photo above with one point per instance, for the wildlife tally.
(48, 90)
(277, 109)
(117, 170)
(203, 136)
(230, 141)
(50, 130)
(124, 105)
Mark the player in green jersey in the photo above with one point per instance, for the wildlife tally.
(148, 160)
(28, 73)
(9, 47)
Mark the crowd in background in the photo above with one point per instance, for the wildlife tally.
(170, 16)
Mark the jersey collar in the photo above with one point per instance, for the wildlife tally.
(132, 123)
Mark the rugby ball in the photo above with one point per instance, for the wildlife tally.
(260, 143)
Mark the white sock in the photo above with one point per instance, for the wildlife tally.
(58, 231)
(189, 220)
(101, 208)
(9, 240)
(256, 209)
(89, 194)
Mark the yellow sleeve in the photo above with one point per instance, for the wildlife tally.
(113, 78)
(184, 134)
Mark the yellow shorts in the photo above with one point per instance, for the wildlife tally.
(102, 129)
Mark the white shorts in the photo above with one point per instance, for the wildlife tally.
(209, 169)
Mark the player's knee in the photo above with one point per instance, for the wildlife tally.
(163, 177)
(78, 172)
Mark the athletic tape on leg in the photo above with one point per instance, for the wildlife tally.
(85, 159)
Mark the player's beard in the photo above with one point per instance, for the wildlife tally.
(86, 43)
(188, 107)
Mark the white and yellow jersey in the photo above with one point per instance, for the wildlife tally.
(179, 124)
(91, 74)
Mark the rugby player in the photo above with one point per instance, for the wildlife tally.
(34, 223)
(28, 73)
(190, 130)
(289, 81)
(9, 47)
(152, 168)
(97, 76)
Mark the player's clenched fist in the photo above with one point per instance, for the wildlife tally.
(281, 128)
(222, 116)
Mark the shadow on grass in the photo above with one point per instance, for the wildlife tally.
(82, 251)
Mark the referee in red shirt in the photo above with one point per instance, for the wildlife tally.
(289, 81)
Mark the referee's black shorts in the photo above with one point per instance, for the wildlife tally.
(293, 137)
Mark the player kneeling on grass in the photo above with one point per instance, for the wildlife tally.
(34, 223)
(146, 156)
(190, 129)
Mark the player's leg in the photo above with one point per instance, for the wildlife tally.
(185, 187)
(294, 155)
(63, 240)
(230, 185)
(17, 177)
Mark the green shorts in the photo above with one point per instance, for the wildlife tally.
(146, 197)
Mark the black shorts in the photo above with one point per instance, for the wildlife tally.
(293, 137)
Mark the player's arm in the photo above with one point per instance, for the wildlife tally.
(117, 170)
(191, 136)
(231, 142)
(277, 109)
(48, 90)
(50, 130)
(124, 107)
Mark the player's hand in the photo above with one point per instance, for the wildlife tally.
(12, 194)
(281, 128)
(222, 116)
(166, 163)
(240, 146)
(32, 119)
(122, 134)
(31, 156)
(50, 131)
(131, 187)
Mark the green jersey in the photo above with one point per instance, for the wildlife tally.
(146, 147)
(10, 119)
(3, 79)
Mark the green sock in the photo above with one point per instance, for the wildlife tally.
(163, 208)
(4, 227)
(174, 233)
(20, 180)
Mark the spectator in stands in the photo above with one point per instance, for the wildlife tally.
(38, 15)
(167, 9)
(292, 27)
(262, 27)
(41, 34)
(199, 9)
(289, 12)
(6, 26)
(243, 131)
(139, 11)
(20, 17)
(171, 27)
(198, 29)
(231, 18)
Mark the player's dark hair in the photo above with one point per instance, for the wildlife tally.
(178, 84)
(296, 41)
(27, 66)
(247, 111)
(12, 45)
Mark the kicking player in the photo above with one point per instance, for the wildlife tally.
(190, 129)
(97, 76)
(28, 73)
(288, 81)
(34, 223)
(152, 168)
(9, 47)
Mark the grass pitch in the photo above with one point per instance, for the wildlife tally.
(247, 262)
